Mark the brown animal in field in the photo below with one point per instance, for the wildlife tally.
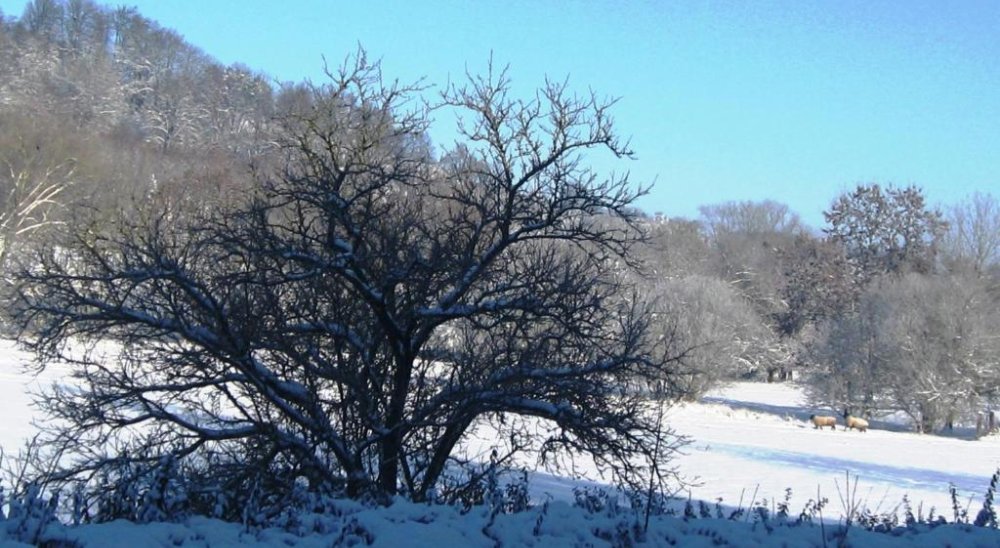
(819, 421)
(855, 422)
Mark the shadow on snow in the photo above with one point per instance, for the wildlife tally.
(898, 476)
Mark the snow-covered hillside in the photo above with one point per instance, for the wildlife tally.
(750, 442)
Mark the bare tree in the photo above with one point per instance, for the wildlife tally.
(44, 17)
(160, 76)
(33, 180)
(816, 284)
(713, 327)
(943, 355)
(766, 217)
(973, 237)
(368, 307)
(883, 231)
(851, 363)
(746, 240)
(676, 248)
(920, 344)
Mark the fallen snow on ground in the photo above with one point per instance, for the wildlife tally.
(753, 437)
(749, 442)
(16, 385)
(553, 525)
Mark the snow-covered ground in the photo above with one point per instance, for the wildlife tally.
(749, 442)
(757, 437)
(16, 411)
(554, 525)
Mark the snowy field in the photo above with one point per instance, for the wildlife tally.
(756, 437)
(750, 442)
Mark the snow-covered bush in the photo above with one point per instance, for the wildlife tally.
(987, 516)
(29, 514)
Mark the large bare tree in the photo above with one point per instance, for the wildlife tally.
(367, 307)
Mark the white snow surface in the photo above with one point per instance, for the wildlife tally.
(751, 437)
(555, 525)
(749, 443)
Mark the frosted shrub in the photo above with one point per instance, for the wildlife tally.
(29, 515)
(154, 492)
(783, 506)
(595, 500)
(704, 510)
(960, 515)
(987, 516)
(812, 510)
(623, 535)
(354, 534)
(516, 498)
(879, 523)
(164, 497)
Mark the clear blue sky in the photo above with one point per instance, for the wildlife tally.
(795, 101)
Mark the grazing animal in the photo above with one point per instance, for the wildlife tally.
(855, 422)
(820, 421)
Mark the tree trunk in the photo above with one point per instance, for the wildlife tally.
(926, 424)
(388, 465)
(391, 447)
(439, 459)
(357, 483)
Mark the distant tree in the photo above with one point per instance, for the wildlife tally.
(920, 344)
(885, 231)
(366, 308)
(711, 325)
(973, 238)
(894, 346)
(37, 167)
(239, 103)
(43, 17)
(87, 28)
(850, 360)
(677, 247)
(766, 217)
(24, 65)
(816, 284)
(746, 239)
(911, 329)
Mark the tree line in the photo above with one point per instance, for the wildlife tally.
(892, 307)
